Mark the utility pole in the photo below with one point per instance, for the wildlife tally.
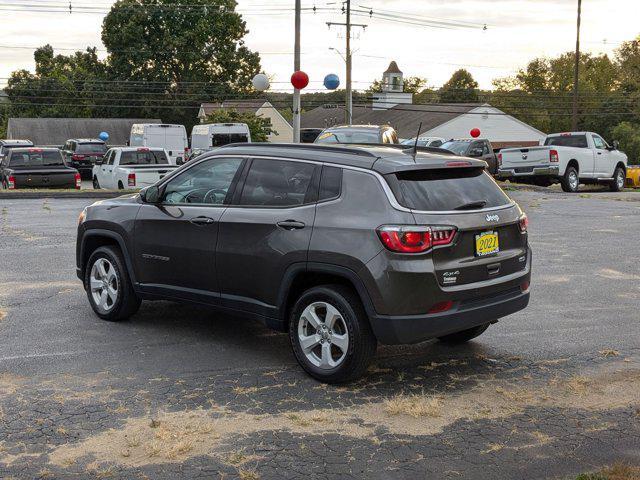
(348, 113)
(349, 96)
(296, 67)
(576, 73)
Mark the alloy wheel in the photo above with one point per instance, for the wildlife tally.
(103, 282)
(323, 335)
(573, 180)
(620, 179)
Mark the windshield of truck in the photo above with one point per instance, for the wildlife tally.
(456, 147)
(149, 157)
(577, 141)
(86, 148)
(36, 159)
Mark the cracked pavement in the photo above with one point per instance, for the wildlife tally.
(183, 392)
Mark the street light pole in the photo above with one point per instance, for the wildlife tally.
(349, 95)
(576, 73)
(296, 67)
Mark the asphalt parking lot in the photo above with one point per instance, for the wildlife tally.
(180, 391)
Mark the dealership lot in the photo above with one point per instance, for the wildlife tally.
(548, 392)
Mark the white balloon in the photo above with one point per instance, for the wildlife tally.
(260, 82)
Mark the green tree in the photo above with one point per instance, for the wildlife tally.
(259, 127)
(460, 88)
(628, 134)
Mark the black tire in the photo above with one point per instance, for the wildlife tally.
(96, 183)
(127, 302)
(616, 186)
(362, 342)
(567, 183)
(465, 335)
(120, 186)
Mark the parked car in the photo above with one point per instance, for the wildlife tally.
(475, 148)
(37, 168)
(213, 135)
(358, 134)
(82, 153)
(425, 141)
(340, 246)
(173, 138)
(309, 135)
(131, 167)
(6, 145)
(569, 158)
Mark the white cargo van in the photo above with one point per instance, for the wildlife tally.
(173, 138)
(212, 135)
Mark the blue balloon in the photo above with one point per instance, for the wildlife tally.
(104, 136)
(331, 81)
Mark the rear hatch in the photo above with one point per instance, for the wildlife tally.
(522, 160)
(87, 153)
(488, 241)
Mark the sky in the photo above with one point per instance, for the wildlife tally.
(517, 31)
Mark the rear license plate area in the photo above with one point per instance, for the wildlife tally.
(487, 243)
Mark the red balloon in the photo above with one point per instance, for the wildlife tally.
(475, 132)
(299, 80)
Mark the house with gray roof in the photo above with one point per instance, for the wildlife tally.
(56, 131)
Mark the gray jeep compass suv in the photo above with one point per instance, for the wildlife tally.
(341, 247)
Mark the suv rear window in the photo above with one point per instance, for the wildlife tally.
(91, 148)
(35, 159)
(143, 158)
(578, 141)
(446, 189)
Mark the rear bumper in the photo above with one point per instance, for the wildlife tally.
(547, 171)
(394, 330)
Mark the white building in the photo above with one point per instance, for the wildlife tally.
(392, 89)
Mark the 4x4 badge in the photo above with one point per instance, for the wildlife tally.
(492, 218)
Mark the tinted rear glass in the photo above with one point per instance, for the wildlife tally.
(35, 159)
(349, 136)
(447, 189)
(578, 141)
(456, 147)
(219, 139)
(143, 158)
(91, 148)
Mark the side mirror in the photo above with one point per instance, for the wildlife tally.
(616, 145)
(99, 162)
(150, 194)
(476, 152)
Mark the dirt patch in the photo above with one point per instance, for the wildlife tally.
(3, 314)
(616, 275)
(10, 384)
(174, 436)
(554, 278)
(11, 288)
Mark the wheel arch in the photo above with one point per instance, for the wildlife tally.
(573, 163)
(622, 166)
(301, 277)
(94, 239)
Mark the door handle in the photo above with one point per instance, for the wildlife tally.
(599, 153)
(291, 225)
(202, 221)
(493, 269)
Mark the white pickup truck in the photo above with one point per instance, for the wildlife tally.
(131, 168)
(569, 158)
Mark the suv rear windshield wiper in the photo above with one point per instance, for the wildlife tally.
(472, 205)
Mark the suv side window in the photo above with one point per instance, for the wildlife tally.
(330, 183)
(206, 183)
(486, 150)
(276, 183)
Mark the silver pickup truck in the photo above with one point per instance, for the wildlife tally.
(569, 158)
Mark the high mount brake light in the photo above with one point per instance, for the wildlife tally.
(458, 163)
(414, 239)
(523, 223)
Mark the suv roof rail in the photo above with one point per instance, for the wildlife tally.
(354, 150)
(400, 146)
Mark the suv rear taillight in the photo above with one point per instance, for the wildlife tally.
(553, 156)
(414, 239)
(75, 156)
(78, 181)
(131, 180)
(523, 223)
(11, 182)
